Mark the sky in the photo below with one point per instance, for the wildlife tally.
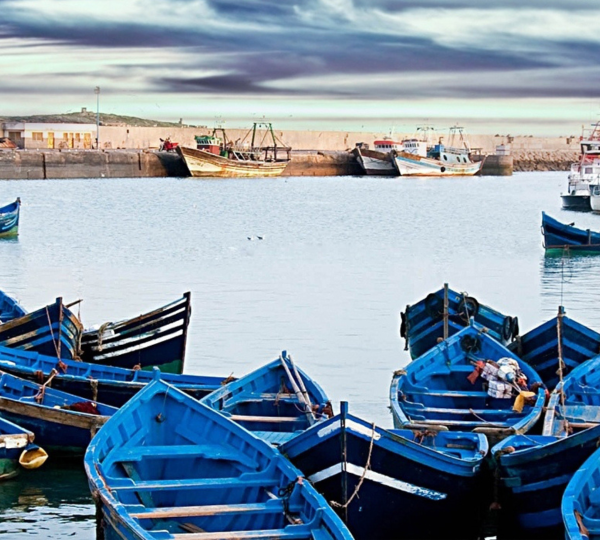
(507, 67)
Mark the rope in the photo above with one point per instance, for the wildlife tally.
(52, 333)
(39, 397)
(94, 387)
(363, 476)
(101, 330)
(561, 363)
(285, 493)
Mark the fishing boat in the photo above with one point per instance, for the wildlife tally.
(443, 313)
(425, 484)
(580, 502)
(377, 161)
(469, 382)
(168, 467)
(62, 423)
(10, 308)
(559, 340)
(565, 236)
(52, 330)
(216, 156)
(534, 471)
(157, 338)
(9, 219)
(574, 404)
(275, 402)
(17, 449)
(584, 172)
(419, 158)
(96, 382)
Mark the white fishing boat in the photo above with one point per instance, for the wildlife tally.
(420, 157)
(216, 156)
(583, 188)
(377, 161)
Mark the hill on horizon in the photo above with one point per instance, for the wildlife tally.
(89, 117)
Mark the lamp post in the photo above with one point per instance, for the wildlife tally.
(97, 92)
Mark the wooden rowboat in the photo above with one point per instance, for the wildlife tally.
(445, 389)
(563, 236)
(275, 402)
(53, 416)
(168, 467)
(10, 308)
(394, 483)
(9, 219)
(157, 338)
(96, 382)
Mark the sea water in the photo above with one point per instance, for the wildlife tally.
(320, 267)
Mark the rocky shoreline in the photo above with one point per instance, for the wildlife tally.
(544, 161)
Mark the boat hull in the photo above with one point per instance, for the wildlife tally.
(579, 203)
(9, 220)
(559, 235)
(157, 338)
(375, 163)
(534, 479)
(412, 165)
(9, 308)
(405, 486)
(203, 164)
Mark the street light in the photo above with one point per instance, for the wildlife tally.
(97, 92)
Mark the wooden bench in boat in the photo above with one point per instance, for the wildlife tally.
(194, 483)
(267, 534)
(273, 419)
(479, 412)
(271, 506)
(447, 393)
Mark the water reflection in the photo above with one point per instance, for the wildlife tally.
(51, 502)
(572, 280)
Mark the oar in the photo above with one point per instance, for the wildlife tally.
(300, 382)
(297, 391)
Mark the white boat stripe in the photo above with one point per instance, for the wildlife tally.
(351, 425)
(100, 357)
(380, 479)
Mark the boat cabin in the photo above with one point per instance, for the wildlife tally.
(387, 145)
(416, 147)
(208, 143)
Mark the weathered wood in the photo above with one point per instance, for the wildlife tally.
(60, 416)
(209, 510)
(274, 419)
(272, 534)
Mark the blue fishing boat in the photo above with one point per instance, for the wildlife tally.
(275, 402)
(534, 471)
(468, 382)
(168, 467)
(581, 501)
(443, 313)
(62, 423)
(9, 219)
(53, 330)
(157, 338)
(559, 235)
(394, 483)
(563, 336)
(9, 308)
(17, 449)
(110, 385)
(575, 402)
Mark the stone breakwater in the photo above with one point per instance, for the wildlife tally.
(559, 160)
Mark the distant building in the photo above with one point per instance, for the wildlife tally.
(39, 135)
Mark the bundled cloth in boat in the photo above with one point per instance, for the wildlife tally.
(425, 323)
(168, 467)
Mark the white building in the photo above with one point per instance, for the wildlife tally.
(40, 135)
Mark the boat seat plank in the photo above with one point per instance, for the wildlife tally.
(275, 437)
(268, 534)
(210, 510)
(274, 419)
(481, 412)
(448, 393)
(151, 485)
(206, 451)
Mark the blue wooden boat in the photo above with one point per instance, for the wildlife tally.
(168, 467)
(540, 347)
(53, 416)
(441, 389)
(559, 235)
(9, 219)
(17, 449)
(275, 402)
(581, 502)
(110, 385)
(422, 324)
(9, 308)
(157, 338)
(575, 402)
(53, 330)
(534, 471)
(394, 483)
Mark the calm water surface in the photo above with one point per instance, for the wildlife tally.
(339, 258)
